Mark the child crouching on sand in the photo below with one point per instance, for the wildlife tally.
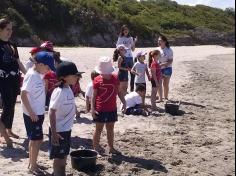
(104, 107)
(33, 98)
(61, 113)
(134, 102)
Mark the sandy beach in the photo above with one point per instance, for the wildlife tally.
(198, 142)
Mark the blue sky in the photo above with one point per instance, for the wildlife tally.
(214, 3)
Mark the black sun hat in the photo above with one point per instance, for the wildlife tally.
(67, 68)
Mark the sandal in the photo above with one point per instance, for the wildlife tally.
(115, 152)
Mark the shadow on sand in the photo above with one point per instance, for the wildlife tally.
(140, 162)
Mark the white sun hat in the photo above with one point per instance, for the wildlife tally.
(104, 66)
(118, 47)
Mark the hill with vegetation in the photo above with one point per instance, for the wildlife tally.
(97, 22)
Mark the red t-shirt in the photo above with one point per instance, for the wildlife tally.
(51, 77)
(76, 88)
(156, 66)
(107, 91)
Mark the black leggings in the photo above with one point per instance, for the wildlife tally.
(9, 89)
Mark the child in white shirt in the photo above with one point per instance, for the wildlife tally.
(134, 102)
(33, 103)
(61, 113)
(89, 91)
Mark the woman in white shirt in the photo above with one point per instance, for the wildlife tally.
(126, 39)
(166, 60)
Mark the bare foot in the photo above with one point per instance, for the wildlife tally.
(11, 134)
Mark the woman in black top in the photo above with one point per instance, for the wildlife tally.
(10, 67)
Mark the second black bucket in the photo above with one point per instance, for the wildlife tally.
(84, 160)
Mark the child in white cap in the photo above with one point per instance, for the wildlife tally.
(104, 105)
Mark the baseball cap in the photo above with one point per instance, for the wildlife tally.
(67, 68)
(118, 47)
(45, 58)
(35, 50)
(47, 45)
(141, 53)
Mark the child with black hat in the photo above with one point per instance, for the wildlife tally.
(61, 113)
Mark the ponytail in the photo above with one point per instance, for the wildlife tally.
(151, 55)
(150, 59)
(116, 55)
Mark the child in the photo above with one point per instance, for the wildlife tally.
(104, 107)
(89, 91)
(61, 113)
(33, 104)
(123, 76)
(156, 77)
(134, 102)
(31, 60)
(140, 69)
(50, 79)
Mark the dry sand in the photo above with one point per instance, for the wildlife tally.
(201, 141)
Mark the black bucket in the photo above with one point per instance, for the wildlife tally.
(84, 160)
(172, 108)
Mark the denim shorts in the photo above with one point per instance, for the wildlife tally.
(34, 129)
(129, 62)
(106, 117)
(63, 150)
(123, 76)
(167, 72)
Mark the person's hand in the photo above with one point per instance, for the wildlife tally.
(129, 69)
(123, 109)
(34, 117)
(56, 138)
(94, 114)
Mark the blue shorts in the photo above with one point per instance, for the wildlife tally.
(167, 72)
(123, 76)
(137, 110)
(34, 129)
(106, 117)
(129, 62)
(63, 150)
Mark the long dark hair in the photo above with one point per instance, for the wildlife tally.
(116, 55)
(122, 31)
(4, 22)
(151, 55)
(165, 40)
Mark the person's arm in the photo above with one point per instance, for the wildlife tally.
(134, 41)
(28, 107)
(154, 75)
(55, 135)
(88, 104)
(93, 104)
(21, 66)
(133, 71)
(46, 85)
(148, 74)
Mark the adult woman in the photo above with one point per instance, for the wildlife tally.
(166, 60)
(10, 67)
(126, 39)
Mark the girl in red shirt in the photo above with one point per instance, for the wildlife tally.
(156, 77)
(104, 105)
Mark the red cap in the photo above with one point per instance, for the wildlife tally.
(47, 45)
(35, 50)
